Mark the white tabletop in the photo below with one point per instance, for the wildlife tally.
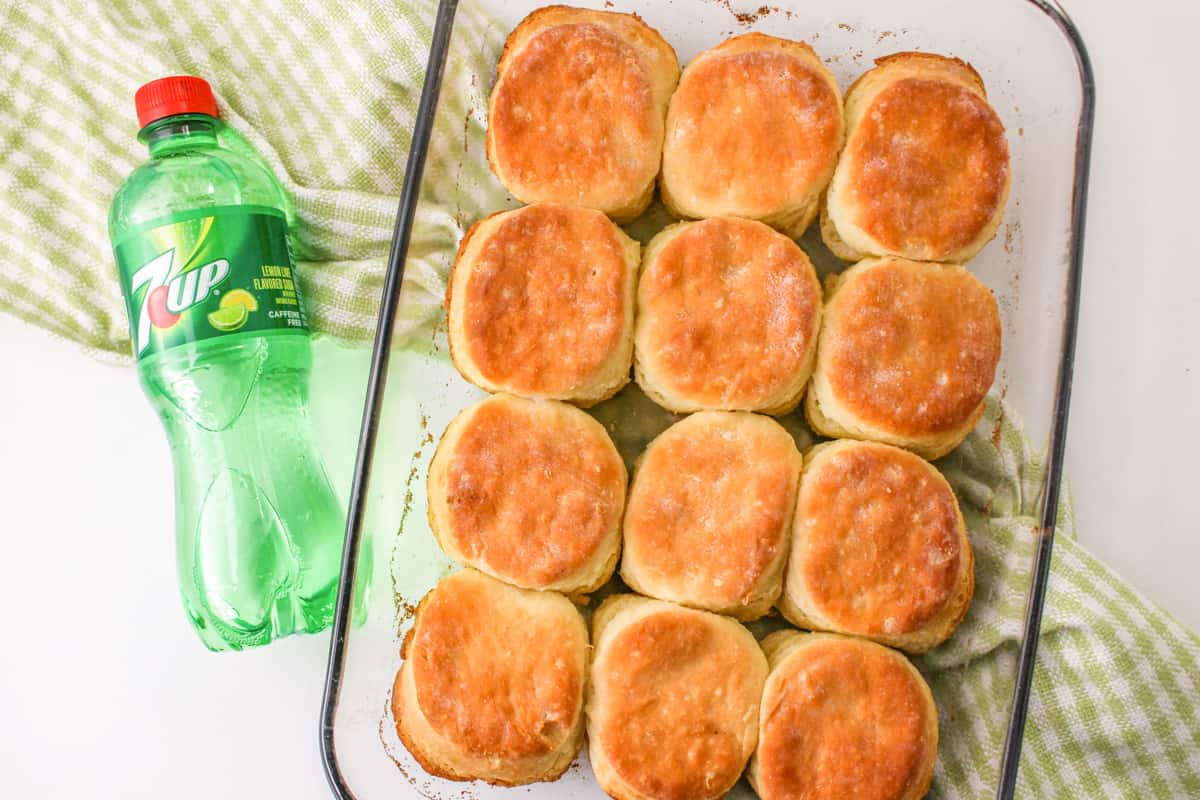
(109, 694)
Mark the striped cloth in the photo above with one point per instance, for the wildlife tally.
(1115, 710)
(329, 101)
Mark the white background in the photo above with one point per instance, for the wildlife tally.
(107, 692)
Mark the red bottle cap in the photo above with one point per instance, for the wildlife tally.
(178, 94)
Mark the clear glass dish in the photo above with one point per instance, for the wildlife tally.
(1040, 82)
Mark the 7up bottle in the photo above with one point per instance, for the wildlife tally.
(200, 237)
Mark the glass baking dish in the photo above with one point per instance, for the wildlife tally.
(1039, 79)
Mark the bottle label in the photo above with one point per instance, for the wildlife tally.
(211, 272)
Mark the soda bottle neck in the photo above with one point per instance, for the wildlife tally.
(173, 134)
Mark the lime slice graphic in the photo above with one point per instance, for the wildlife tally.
(229, 319)
(239, 297)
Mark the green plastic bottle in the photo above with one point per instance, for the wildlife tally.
(218, 327)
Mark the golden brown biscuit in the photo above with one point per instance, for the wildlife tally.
(925, 171)
(540, 304)
(530, 492)
(710, 513)
(576, 115)
(753, 130)
(842, 719)
(492, 682)
(908, 352)
(673, 700)
(728, 314)
(879, 548)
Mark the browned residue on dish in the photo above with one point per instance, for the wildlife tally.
(1010, 299)
(998, 428)
(846, 27)
(405, 611)
(401, 604)
(1014, 239)
(884, 35)
(424, 788)
(383, 721)
(408, 492)
(1014, 280)
(476, 112)
(751, 17)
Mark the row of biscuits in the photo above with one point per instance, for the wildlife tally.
(499, 683)
(723, 514)
(556, 302)
(590, 109)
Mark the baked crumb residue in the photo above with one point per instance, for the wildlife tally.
(751, 17)
(408, 493)
(998, 428)
(402, 607)
(422, 788)
(404, 610)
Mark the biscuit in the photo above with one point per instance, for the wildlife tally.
(710, 513)
(925, 171)
(728, 314)
(576, 114)
(753, 130)
(540, 304)
(907, 354)
(842, 719)
(492, 683)
(879, 548)
(530, 492)
(672, 708)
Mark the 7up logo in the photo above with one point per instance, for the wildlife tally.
(167, 297)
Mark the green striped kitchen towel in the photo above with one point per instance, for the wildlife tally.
(327, 94)
(1115, 710)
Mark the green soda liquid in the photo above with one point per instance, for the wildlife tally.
(200, 237)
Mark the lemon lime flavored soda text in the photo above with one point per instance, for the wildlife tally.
(202, 273)
(218, 327)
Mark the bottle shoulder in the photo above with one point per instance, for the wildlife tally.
(189, 180)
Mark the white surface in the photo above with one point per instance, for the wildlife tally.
(108, 694)
(1135, 416)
